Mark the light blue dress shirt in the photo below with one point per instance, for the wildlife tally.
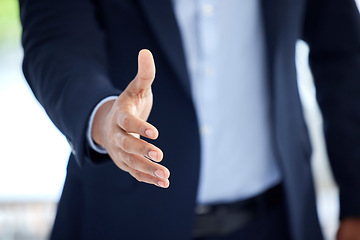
(225, 53)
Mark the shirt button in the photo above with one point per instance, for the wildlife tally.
(205, 130)
(208, 10)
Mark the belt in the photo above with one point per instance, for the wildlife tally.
(222, 219)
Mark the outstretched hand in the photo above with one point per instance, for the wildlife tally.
(118, 125)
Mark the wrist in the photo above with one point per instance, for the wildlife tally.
(98, 133)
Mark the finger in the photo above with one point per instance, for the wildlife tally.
(146, 72)
(133, 145)
(132, 124)
(144, 165)
(142, 176)
(146, 69)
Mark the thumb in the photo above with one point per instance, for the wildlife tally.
(146, 72)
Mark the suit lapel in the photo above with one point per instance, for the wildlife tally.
(162, 21)
(270, 12)
(161, 18)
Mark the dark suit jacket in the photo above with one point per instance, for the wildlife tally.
(78, 52)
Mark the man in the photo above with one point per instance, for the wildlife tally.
(242, 121)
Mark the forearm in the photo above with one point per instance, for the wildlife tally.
(332, 30)
(65, 63)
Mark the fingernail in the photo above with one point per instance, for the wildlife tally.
(153, 155)
(161, 184)
(160, 173)
(149, 133)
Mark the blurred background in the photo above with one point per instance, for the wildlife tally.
(34, 153)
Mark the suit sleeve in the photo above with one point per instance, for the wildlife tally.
(65, 65)
(332, 30)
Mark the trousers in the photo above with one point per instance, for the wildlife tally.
(270, 224)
